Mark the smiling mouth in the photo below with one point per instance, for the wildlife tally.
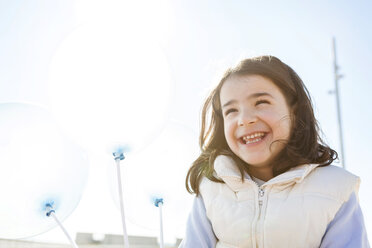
(253, 138)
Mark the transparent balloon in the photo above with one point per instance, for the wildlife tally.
(110, 86)
(158, 171)
(39, 165)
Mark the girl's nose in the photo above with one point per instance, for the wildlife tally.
(247, 119)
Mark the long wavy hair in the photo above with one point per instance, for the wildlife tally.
(304, 145)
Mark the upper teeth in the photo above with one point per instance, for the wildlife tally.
(246, 138)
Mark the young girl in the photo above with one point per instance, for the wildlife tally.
(264, 176)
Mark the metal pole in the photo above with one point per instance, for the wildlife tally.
(50, 212)
(337, 77)
(118, 157)
(161, 225)
(159, 203)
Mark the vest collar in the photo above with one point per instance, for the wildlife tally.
(226, 169)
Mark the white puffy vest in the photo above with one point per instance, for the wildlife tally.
(290, 210)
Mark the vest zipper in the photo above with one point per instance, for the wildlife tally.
(261, 193)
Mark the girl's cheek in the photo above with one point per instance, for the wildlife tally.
(227, 129)
(228, 122)
(273, 115)
(268, 116)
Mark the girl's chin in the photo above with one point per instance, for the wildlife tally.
(256, 161)
(261, 159)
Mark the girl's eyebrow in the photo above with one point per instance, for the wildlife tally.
(252, 96)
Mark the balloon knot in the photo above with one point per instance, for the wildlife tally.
(118, 155)
(49, 209)
(157, 201)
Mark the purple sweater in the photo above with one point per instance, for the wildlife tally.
(345, 230)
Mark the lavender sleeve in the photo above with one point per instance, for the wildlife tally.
(199, 232)
(347, 228)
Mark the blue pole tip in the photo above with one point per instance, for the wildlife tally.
(49, 209)
(118, 155)
(157, 201)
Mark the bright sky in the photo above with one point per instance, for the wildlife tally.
(43, 42)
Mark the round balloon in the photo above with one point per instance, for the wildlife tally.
(109, 87)
(158, 171)
(39, 165)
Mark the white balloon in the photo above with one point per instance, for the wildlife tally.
(38, 165)
(109, 86)
(159, 171)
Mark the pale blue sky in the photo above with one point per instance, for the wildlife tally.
(200, 39)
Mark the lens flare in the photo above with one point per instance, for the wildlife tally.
(109, 87)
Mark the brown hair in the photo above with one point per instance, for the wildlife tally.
(304, 145)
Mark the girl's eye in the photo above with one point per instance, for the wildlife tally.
(230, 111)
(261, 102)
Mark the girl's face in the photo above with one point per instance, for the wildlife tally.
(255, 114)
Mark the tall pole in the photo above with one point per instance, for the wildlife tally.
(337, 77)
